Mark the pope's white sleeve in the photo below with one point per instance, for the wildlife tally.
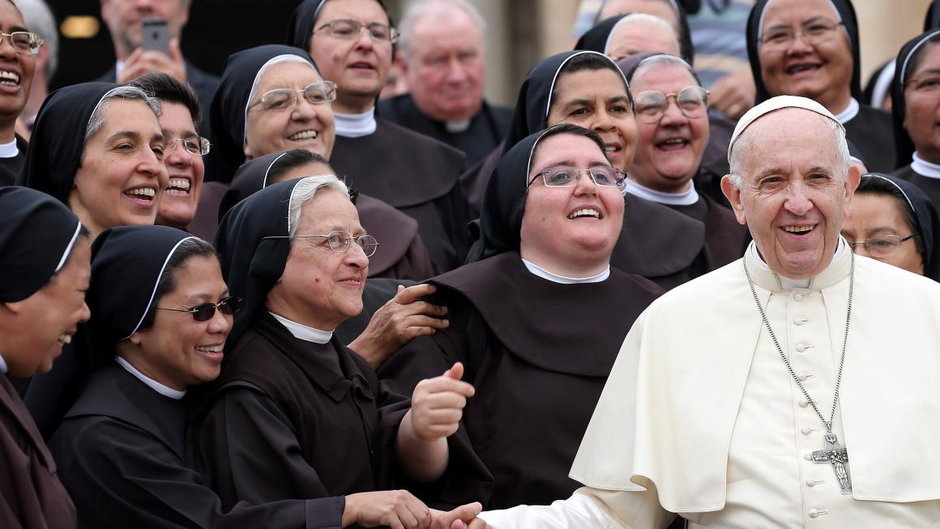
(587, 508)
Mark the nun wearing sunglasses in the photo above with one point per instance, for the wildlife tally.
(161, 315)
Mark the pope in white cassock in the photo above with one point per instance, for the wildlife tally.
(796, 387)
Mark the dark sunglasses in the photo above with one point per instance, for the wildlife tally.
(205, 311)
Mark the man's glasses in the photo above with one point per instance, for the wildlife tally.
(778, 38)
(280, 99)
(205, 311)
(340, 241)
(565, 176)
(881, 246)
(651, 104)
(351, 29)
(195, 145)
(24, 42)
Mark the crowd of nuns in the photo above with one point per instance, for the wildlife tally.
(288, 324)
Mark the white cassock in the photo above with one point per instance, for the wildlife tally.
(701, 417)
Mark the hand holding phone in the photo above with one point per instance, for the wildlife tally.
(155, 35)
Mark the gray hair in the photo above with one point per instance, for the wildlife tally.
(663, 60)
(644, 17)
(744, 141)
(304, 190)
(39, 20)
(418, 9)
(124, 92)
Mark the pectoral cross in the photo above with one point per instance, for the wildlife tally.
(838, 457)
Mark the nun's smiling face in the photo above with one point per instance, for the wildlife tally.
(321, 287)
(50, 317)
(879, 216)
(922, 100)
(572, 230)
(804, 51)
(17, 69)
(186, 170)
(121, 177)
(303, 125)
(598, 101)
(177, 350)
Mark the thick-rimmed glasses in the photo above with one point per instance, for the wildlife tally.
(351, 29)
(194, 145)
(566, 176)
(652, 104)
(881, 246)
(205, 311)
(340, 241)
(24, 42)
(280, 99)
(812, 33)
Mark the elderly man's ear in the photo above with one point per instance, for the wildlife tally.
(733, 194)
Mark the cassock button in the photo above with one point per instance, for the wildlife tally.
(811, 483)
(813, 513)
(804, 403)
(806, 431)
(798, 297)
(799, 321)
(801, 347)
(808, 457)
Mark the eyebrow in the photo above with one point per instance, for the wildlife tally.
(930, 71)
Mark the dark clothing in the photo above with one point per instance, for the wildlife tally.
(487, 127)
(724, 236)
(206, 219)
(10, 168)
(871, 131)
(930, 186)
(121, 450)
(538, 354)
(416, 175)
(294, 419)
(205, 84)
(31, 496)
(402, 253)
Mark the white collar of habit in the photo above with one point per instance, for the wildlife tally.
(355, 125)
(304, 332)
(925, 168)
(164, 390)
(685, 198)
(563, 280)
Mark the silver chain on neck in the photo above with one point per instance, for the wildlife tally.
(845, 340)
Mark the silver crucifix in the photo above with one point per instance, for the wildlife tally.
(838, 457)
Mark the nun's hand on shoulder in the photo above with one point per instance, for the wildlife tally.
(402, 319)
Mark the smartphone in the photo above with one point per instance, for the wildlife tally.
(155, 35)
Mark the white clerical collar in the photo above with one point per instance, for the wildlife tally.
(766, 278)
(685, 198)
(9, 150)
(925, 168)
(563, 280)
(3, 365)
(355, 125)
(849, 112)
(455, 127)
(304, 332)
(166, 391)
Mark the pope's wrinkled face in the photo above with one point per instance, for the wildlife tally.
(793, 197)
(303, 125)
(922, 101)
(575, 227)
(598, 101)
(321, 287)
(878, 216)
(816, 62)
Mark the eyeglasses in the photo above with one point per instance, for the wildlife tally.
(928, 84)
(565, 176)
(652, 104)
(881, 246)
(280, 99)
(813, 33)
(205, 311)
(340, 241)
(24, 42)
(351, 29)
(195, 145)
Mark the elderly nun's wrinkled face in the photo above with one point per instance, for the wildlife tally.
(882, 220)
(302, 125)
(177, 350)
(922, 101)
(122, 177)
(804, 51)
(322, 287)
(672, 141)
(598, 101)
(570, 230)
(50, 317)
(794, 195)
